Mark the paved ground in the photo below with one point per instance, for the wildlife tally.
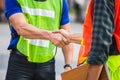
(4, 53)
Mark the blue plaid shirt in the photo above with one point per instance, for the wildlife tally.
(103, 25)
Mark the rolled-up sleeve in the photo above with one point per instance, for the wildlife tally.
(102, 30)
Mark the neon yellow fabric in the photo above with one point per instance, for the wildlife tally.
(43, 15)
(114, 67)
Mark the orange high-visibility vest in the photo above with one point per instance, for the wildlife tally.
(87, 31)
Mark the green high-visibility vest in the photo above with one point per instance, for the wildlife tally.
(113, 64)
(43, 15)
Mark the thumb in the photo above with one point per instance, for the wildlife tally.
(56, 31)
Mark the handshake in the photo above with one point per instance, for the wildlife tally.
(61, 37)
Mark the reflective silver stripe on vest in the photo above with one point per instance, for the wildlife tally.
(39, 12)
(38, 42)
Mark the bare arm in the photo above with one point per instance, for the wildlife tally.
(68, 49)
(94, 72)
(70, 37)
(29, 31)
(24, 29)
(76, 38)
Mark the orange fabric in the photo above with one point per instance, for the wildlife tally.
(86, 41)
(117, 23)
(87, 31)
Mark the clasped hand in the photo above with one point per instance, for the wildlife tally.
(60, 38)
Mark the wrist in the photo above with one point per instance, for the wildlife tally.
(67, 65)
(49, 34)
(71, 37)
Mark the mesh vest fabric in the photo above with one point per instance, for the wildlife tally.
(43, 15)
(113, 64)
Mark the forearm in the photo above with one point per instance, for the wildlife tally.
(68, 49)
(76, 38)
(94, 70)
(30, 31)
(27, 30)
(68, 53)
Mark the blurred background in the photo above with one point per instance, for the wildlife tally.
(77, 10)
(2, 17)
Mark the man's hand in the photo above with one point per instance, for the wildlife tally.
(58, 40)
(67, 69)
(70, 37)
(66, 35)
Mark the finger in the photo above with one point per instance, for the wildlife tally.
(65, 34)
(59, 42)
(57, 31)
(62, 43)
(65, 41)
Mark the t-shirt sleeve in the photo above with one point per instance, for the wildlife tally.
(11, 7)
(65, 13)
